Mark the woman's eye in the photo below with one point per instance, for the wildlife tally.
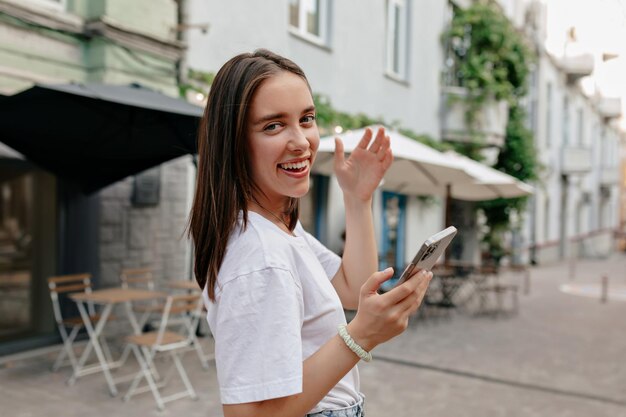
(308, 119)
(272, 127)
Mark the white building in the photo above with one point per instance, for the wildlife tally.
(575, 209)
(386, 59)
(377, 58)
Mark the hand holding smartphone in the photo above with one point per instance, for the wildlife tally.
(429, 252)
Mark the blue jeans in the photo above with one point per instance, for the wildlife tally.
(355, 410)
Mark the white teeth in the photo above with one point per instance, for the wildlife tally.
(295, 165)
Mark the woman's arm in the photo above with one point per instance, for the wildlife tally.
(379, 318)
(358, 177)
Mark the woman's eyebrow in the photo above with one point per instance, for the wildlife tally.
(273, 116)
(269, 117)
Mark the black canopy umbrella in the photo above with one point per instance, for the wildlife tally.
(94, 135)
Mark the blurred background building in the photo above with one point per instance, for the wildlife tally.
(48, 225)
(387, 61)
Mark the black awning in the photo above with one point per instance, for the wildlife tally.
(94, 135)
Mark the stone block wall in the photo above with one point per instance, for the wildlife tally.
(133, 237)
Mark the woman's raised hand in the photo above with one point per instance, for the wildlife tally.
(360, 174)
(380, 317)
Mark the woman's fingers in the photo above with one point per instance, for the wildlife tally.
(374, 282)
(384, 148)
(365, 140)
(400, 292)
(340, 157)
(378, 141)
(411, 303)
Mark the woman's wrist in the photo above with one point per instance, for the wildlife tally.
(354, 201)
(360, 336)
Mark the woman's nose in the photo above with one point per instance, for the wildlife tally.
(298, 141)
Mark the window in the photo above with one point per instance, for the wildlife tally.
(546, 219)
(565, 121)
(309, 19)
(393, 234)
(548, 114)
(581, 127)
(397, 35)
(52, 4)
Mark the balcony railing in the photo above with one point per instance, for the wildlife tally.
(575, 160)
(609, 176)
(610, 107)
(577, 65)
(489, 125)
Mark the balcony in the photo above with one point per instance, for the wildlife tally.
(575, 160)
(577, 64)
(490, 123)
(609, 176)
(610, 107)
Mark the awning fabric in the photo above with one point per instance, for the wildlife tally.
(94, 135)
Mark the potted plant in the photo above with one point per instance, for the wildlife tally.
(486, 72)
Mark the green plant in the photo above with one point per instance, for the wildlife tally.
(328, 117)
(492, 61)
(490, 58)
(517, 158)
(197, 81)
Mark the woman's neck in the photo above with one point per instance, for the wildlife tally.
(274, 213)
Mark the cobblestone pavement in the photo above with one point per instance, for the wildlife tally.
(561, 354)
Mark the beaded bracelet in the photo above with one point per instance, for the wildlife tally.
(354, 346)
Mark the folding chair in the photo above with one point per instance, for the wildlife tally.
(146, 346)
(142, 278)
(60, 287)
(137, 278)
(190, 323)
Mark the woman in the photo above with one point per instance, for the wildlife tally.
(274, 294)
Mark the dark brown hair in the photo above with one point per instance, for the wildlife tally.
(224, 184)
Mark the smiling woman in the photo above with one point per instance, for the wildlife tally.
(274, 294)
(283, 140)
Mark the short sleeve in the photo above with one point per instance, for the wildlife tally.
(329, 259)
(257, 335)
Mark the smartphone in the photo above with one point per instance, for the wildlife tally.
(429, 252)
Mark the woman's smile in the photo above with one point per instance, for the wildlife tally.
(283, 138)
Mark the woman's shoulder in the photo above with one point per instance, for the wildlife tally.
(254, 247)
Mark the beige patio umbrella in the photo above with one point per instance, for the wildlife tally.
(417, 169)
(488, 184)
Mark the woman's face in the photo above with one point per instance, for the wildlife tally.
(283, 138)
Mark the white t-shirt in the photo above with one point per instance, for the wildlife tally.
(274, 307)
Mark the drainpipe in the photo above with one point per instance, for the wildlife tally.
(181, 36)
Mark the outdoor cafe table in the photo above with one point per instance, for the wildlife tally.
(108, 298)
(183, 285)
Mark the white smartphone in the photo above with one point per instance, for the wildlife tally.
(429, 252)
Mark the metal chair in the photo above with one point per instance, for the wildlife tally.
(60, 287)
(137, 278)
(146, 346)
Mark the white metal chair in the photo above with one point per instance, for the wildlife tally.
(137, 278)
(146, 346)
(61, 286)
(142, 278)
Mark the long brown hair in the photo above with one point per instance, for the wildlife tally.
(224, 184)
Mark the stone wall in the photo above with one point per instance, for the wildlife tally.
(133, 237)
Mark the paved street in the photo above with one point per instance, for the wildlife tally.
(561, 355)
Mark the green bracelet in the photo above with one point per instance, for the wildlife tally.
(354, 346)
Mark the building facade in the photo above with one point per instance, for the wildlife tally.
(575, 210)
(377, 58)
(387, 60)
(48, 227)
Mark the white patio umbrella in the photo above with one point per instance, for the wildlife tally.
(417, 169)
(488, 184)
